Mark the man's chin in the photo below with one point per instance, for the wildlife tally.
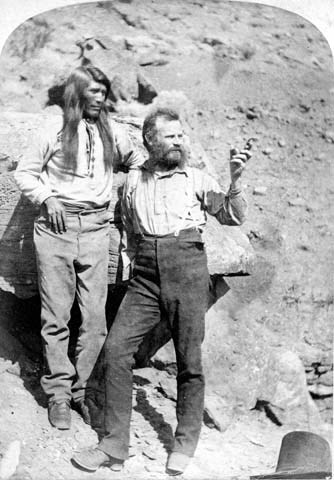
(171, 163)
(174, 159)
(92, 114)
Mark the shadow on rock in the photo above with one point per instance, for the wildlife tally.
(156, 420)
(20, 342)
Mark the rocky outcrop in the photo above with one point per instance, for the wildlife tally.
(244, 372)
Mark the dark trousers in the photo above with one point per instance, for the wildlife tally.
(170, 280)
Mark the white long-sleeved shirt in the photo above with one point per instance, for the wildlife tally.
(161, 203)
(44, 173)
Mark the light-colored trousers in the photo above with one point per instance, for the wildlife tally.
(72, 265)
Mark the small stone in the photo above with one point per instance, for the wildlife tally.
(281, 142)
(167, 386)
(215, 134)
(315, 62)
(304, 247)
(213, 40)
(329, 136)
(321, 390)
(146, 91)
(267, 151)
(297, 202)
(10, 460)
(311, 378)
(174, 16)
(155, 60)
(4, 365)
(260, 191)
(327, 379)
(320, 157)
(150, 453)
(323, 369)
(14, 369)
(304, 107)
(217, 413)
(253, 112)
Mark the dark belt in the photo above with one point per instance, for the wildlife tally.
(182, 235)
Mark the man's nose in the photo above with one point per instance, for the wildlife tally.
(99, 97)
(177, 141)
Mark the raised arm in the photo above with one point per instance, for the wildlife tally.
(229, 208)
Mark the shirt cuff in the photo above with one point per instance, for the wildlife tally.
(42, 196)
(233, 192)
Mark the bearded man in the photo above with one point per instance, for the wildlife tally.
(70, 176)
(164, 210)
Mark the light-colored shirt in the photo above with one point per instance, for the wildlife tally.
(44, 173)
(161, 203)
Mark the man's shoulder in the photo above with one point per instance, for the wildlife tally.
(53, 123)
(117, 127)
(51, 127)
(194, 172)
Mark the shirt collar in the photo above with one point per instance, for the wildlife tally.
(169, 173)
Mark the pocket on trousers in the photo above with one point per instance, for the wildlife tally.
(42, 221)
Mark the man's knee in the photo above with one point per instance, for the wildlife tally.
(117, 354)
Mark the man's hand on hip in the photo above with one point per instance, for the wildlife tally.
(56, 214)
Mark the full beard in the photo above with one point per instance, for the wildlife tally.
(174, 157)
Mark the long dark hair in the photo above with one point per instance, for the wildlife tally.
(73, 108)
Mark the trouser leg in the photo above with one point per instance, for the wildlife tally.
(184, 293)
(54, 255)
(190, 378)
(161, 334)
(153, 341)
(92, 271)
(138, 313)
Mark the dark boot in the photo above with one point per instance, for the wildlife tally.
(83, 410)
(59, 412)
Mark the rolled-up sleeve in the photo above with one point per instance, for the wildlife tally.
(229, 208)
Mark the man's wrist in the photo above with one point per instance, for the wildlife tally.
(48, 198)
(235, 188)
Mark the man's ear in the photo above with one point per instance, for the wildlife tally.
(148, 138)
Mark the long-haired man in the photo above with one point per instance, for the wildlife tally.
(70, 176)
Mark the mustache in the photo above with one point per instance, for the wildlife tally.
(179, 150)
(175, 149)
(174, 156)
